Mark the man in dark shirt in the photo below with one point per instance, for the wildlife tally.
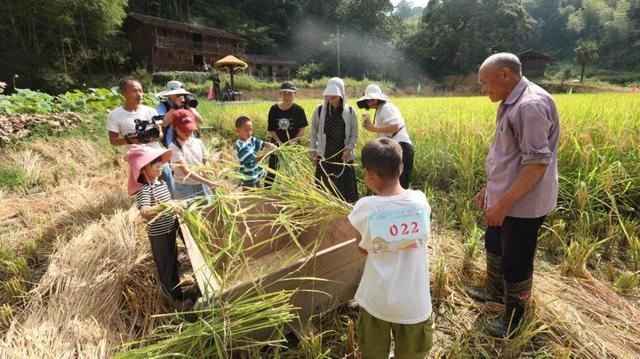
(286, 122)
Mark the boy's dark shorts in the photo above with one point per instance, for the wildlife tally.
(411, 340)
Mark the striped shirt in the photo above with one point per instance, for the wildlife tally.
(150, 195)
(246, 152)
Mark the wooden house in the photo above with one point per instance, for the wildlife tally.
(534, 63)
(164, 45)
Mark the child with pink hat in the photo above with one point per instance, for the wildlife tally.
(145, 167)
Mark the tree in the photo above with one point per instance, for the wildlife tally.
(457, 35)
(586, 52)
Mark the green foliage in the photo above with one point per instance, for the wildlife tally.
(586, 52)
(25, 101)
(308, 72)
(195, 77)
(458, 34)
(48, 45)
(14, 178)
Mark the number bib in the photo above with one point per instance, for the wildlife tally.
(397, 230)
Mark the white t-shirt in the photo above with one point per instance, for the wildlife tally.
(387, 115)
(122, 121)
(395, 282)
(192, 154)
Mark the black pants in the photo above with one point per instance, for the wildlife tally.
(165, 254)
(515, 241)
(407, 163)
(273, 164)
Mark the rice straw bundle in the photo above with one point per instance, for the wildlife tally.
(97, 292)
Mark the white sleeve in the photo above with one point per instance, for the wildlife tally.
(358, 219)
(205, 151)
(112, 123)
(176, 154)
(391, 116)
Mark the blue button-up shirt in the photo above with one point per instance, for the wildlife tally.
(527, 131)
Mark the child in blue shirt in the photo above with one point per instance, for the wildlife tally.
(247, 152)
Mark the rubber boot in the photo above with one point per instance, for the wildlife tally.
(517, 296)
(493, 291)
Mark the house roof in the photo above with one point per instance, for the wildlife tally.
(273, 60)
(533, 54)
(195, 28)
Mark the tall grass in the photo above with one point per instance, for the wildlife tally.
(598, 160)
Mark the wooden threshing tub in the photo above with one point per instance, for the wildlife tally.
(336, 261)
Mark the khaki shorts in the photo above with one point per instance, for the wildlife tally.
(411, 340)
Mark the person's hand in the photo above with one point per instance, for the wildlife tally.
(131, 138)
(346, 156)
(176, 206)
(479, 199)
(366, 121)
(314, 156)
(495, 214)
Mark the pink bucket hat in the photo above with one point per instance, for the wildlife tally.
(138, 157)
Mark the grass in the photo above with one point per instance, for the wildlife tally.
(595, 225)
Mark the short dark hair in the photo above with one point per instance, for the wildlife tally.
(383, 157)
(124, 82)
(241, 121)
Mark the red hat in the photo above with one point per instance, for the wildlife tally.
(184, 120)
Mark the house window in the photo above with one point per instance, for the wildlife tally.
(280, 67)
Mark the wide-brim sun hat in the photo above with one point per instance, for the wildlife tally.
(138, 157)
(372, 92)
(173, 88)
(332, 90)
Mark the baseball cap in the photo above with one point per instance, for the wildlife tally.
(184, 121)
(288, 86)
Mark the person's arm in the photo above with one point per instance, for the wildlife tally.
(275, 137)
(116, 140)
(268, 147)
(168, 117)
(531, 128)
(188, 173)
(271, 125)
(386, 129)
(313, 136)
(196, 115)
(353, 138)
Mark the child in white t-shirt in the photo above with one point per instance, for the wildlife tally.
(393, 228)
(188, 153)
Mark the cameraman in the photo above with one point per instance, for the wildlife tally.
(174, 99)
(121, 122)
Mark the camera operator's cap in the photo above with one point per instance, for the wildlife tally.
(372, 92)
(173, 88)
(138, 157)
(183, 120)
(288, 86)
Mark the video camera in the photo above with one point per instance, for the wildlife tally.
(189, 101)
(146, 134)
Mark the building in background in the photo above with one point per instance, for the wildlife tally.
(534, 63)
(165, 45)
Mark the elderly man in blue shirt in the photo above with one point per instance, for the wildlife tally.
(521, 187)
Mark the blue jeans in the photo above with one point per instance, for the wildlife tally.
(167, 176)
(188, 191)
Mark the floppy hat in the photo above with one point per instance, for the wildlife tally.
(173, 88)
(372, 92)
(138, 157)
(183, 120)
(288, 86)
(332, 90)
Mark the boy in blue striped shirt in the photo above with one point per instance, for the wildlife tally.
(247, 149)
